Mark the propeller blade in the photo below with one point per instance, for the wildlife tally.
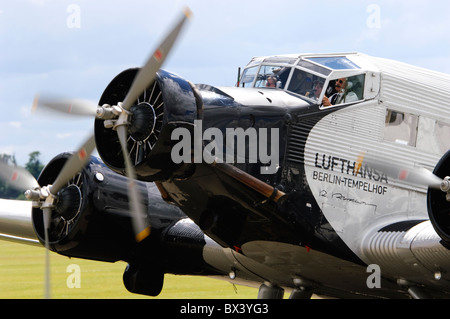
(140, 225)
(147, 74)
(17, 177)
(403, 172)
(428, 178)
(74, 164)
(78, 107)
(47, 216)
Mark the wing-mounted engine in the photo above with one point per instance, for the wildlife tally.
(86, 213)
(90, 217)
(439, 201)
(169, 102)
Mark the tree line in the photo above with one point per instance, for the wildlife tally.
(34, 166)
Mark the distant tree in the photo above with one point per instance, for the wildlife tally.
(34, 165)
(6, 191)
(8, 159)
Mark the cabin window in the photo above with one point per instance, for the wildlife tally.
(401, 128)
(442, 133)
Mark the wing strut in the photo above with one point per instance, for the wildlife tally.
(272, 193)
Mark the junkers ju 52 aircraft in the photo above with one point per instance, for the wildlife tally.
(314, 174)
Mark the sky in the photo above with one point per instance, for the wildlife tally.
(75, 48)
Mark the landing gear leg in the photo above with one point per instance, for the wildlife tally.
(269, 291)
(414, 291)
(417, 293)
(301, 293)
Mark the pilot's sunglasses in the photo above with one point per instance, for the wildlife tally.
(340, 81)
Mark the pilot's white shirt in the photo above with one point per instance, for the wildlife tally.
(350, 97)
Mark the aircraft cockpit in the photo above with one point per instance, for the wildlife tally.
(326, 80)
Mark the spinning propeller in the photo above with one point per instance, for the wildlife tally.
(118, 117)
(46, 197)
(406, 173)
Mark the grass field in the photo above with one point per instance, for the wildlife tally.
(22, 270)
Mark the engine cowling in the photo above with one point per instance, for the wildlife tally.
(168, 103)
(91, 217)
(438, 205)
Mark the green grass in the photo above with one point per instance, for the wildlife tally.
(22, 271)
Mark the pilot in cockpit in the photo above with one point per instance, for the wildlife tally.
(316, 90)
(343, 93)
(271, 81)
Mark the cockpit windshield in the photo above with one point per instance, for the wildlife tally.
(268, 76)
(248, 77)
(307, 76)
(272, 76)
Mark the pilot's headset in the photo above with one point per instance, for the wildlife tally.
(279, 83)
(349, 86)
(347, 89)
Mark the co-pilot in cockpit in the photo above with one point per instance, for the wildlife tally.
(306, 84)
(271, 81)
(317, 89)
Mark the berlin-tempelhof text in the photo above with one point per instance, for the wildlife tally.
(241, 146)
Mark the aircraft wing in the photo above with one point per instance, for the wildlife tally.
(15, 222)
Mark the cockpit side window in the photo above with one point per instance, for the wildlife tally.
(306, 84)
(344, 90)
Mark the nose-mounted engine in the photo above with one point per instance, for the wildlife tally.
(169, 102)
(439, 200)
